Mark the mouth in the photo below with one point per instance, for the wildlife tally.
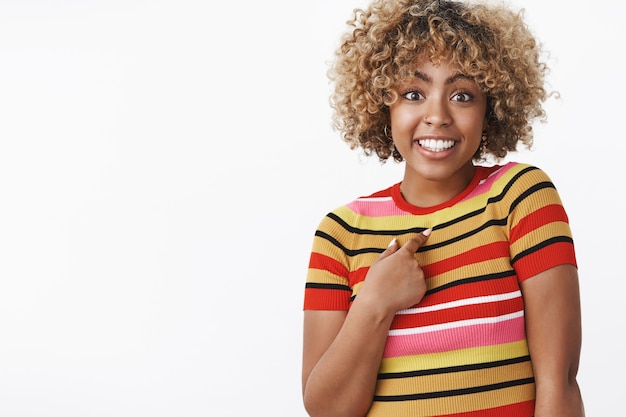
(436, 145)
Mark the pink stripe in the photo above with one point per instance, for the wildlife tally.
(488, 183)
(376, 208)
(457, 338)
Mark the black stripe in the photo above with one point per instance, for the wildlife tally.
(383, 232)
(531, 190)
(541, 245)
(451, 369)
(428, 247)
(348, 252)
(318, 285)
(354, 252)
(491, 200)
(464, 281)
(494, 222)
(471, 280)
(456, 392)
(396, 232)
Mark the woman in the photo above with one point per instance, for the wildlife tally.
(455, 291)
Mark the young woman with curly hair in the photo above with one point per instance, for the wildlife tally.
(455, 291)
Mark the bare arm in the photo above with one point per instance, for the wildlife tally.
(339, 370)
(553, 326)
(342, 350)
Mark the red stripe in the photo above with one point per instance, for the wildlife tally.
(358, 275)
(523, 409)
(479, 254)
(326, 299)
(558, 253)
(474, 311)
(474, 289)
(319, 261)
(538, 218)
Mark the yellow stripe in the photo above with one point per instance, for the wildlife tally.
(455, 358)
(323, 246)
(319, 276)
(454, 380)
(432, 219)
(403, 221)
(451, 405)
(547, 231)
(479, 268)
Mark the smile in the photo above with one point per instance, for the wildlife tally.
(436, 145)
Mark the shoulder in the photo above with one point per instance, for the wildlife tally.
(515, 183)
(376, 204)
(517, 174)
(527, 188)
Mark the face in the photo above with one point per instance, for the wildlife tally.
(437, 124)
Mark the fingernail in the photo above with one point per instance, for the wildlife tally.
(393, 241)
(427, 231)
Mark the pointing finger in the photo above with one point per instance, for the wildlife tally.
(415, 242)
(391, 248)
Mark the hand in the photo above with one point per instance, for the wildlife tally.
(395, 281)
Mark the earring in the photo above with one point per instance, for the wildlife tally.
(483, 143)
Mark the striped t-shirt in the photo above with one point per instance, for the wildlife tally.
(462, 350)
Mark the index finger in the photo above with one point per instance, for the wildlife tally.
(413, 244)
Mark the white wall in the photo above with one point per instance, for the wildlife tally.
(163, 166)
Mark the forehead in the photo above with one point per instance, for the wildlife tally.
(440, 67)
(431, 72)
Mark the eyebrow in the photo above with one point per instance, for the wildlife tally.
(450, 80)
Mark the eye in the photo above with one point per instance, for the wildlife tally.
(462, 97)
(412, 95)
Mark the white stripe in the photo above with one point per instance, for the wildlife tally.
(463, 302)
(456, 324)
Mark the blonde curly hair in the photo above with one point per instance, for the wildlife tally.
(489, 43)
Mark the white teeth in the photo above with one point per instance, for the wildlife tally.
(435, 145)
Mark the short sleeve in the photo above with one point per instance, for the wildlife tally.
(539, 231)
(327, 282)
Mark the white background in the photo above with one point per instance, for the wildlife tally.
(164, 164)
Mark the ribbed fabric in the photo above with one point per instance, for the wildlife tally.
(462, 350)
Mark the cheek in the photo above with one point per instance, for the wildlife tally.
(473, 124)
(402, 119)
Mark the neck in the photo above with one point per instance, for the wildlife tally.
(428, 192)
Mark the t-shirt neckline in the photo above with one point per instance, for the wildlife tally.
(398, 198)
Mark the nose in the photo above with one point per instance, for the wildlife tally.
(437, 113)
